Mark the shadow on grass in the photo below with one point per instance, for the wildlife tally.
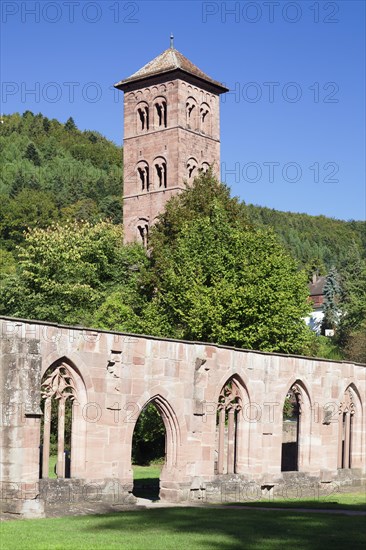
(308, 504)
(146, 488)
(225, 529)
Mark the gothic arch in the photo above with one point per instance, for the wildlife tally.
(172, 429)
(232, 429)
(63, 384)
(304, 423)
(160, 112)
(142, 117)
(350, 432)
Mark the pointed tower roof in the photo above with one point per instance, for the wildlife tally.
(168, 62)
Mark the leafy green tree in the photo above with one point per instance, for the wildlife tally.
(29, 209)
(32, 154)
(218, 280)
(65, 272)
(352, 326)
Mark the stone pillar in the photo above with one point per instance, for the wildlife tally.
(46, 437)
(340, 440)
(230, 442)
(61, 439)
(220, 461)
(347, 440)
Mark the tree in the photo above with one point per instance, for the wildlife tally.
(29, 209)
(66, 272)
(332, 292)
(218, 280)
(70, 125)
(32, 154)
(352, 325)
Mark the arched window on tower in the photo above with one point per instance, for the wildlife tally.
(191, 113)
(143, 231)
(143, 175)
(160, 112)
(205, 118)
(160, 173)
(191, 169)
(205, 167)
(142, 114)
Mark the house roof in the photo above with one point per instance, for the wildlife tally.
(168, 61)
(316, 288)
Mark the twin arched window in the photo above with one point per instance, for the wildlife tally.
(159, 108)
(192, 169)
(158, 181)
(198, 118)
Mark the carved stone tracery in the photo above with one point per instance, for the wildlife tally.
(229, 398)
(347, 405)
(59, 385)
(229, 405)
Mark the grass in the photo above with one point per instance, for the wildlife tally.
(193, 528)
(348, 501)
(51, 467)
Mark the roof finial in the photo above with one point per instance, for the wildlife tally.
(172, 41)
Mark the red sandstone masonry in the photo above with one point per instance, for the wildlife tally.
(184, 381)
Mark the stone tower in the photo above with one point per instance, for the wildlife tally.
(171, 131)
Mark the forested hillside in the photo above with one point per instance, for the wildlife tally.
(316, 241)
(63, 260)
(52, 171)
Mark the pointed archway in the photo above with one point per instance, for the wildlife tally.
(296, 429)
(350, 429)
(63, 429)
(168, 444)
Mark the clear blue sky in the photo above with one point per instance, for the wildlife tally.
(292, 134)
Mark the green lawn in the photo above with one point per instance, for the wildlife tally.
(147, 472)
(348, 501)
(188, 528)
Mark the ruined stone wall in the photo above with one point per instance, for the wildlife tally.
(116, 375)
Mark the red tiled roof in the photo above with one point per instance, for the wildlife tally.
(167, 61)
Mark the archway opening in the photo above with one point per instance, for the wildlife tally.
(148, 452)
(58, 394)
(227, 428)
(291, 431)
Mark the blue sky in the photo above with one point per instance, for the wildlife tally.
(292, 130)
